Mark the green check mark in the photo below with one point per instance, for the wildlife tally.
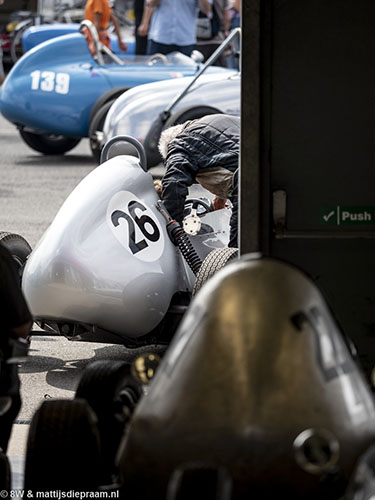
(328, 216)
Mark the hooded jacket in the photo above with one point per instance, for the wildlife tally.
(206, 150)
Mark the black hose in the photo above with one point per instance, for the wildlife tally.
(181, 239)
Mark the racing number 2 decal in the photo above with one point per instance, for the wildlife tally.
(49, 81)
(135, 226)
(142, 222)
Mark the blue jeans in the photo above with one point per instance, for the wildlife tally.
(162, 48)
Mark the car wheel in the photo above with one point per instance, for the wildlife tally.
(182, 116)
(16, 48)
(191, 113)
(18, 247)
(49, 144)
(110, 95)
(113, 393)
(5, 474)
(95, 129)
(214, 261)
(63, 448)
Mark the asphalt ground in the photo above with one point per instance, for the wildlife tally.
(32, 189)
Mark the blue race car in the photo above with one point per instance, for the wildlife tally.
(35, 35)
(58, 91)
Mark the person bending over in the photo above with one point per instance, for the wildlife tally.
(205, 150)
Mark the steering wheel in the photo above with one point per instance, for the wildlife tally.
(198, 202)
(158, 57)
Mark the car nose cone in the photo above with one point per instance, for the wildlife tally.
(259, 379)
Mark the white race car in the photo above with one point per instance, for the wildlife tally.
(106, 270)
(134, 112)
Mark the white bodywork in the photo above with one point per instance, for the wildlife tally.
(106, 265)
(135, 110)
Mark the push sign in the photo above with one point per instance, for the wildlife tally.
(342, 215)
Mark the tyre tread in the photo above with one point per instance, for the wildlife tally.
(39, 142)
(214, 261)
(62, 432)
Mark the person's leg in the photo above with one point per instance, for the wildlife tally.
(207, 49)
(141, 45)
(140, 41)
(162, 48)
(156, 47)
(184, 49)
(233, 236)
(233, 58)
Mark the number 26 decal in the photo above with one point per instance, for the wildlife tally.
(135, 226)
(49, 81)
(141, 222)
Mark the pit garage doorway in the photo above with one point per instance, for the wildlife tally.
(308, 156)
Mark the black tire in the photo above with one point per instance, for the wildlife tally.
(96, 125)
(112, 392)
(182, 116)
(63, 450)
(16, 48)
(5, 473)
(49, 144)
(214, 261)
(191, 113)
(110, 95)
(18, 247)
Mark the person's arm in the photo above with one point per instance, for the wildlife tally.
(145, 22)
(121, 44)
(205, 6)
(180, 174)
(218, 203)
(226, 22)
(152, 3)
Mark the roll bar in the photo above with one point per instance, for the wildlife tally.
(99, 47)
(129, 139)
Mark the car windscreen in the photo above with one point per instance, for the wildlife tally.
(171, 59)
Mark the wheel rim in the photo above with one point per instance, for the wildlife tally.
(55, 137)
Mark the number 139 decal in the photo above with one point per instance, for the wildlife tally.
(49, 81)
(135, 226)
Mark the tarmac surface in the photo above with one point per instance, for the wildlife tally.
(32, 189)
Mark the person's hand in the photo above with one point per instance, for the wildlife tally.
(122, 46)
(143, 29)
(218, 203)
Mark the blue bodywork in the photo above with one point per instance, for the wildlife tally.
(35, 35)
(53, 87)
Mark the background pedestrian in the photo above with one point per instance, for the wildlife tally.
(99, 12)
(220, 21)
(173, 24)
